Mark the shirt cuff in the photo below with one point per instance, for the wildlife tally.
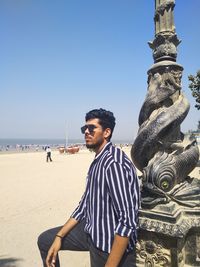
(123, 230)
(77, 216)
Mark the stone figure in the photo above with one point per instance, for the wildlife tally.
(169, 222)
(160, 151)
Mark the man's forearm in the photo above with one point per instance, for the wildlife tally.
(67, 227)
(118, 248)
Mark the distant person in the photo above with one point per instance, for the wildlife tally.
(105, 221)
(48, 150)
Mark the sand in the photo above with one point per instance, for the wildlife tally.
(36, 195)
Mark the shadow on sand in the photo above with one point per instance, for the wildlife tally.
(8, 262)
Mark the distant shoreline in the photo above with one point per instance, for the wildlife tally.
(25, 145)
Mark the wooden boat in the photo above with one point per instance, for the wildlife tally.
(61, 149)
(72, 149)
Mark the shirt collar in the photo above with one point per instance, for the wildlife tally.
(106, 147)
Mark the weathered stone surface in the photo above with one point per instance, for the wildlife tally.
(159, 150)
(170, 219)
(169, 236)
(169, 223)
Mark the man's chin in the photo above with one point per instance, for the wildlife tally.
(91, 146)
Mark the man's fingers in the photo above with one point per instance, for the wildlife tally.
(49, 259)
(53, 262)
(54, 256)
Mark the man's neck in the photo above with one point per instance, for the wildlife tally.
(100, 148)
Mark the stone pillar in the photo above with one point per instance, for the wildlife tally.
(169, 222)
(164, 16)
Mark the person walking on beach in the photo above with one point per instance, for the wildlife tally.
(48, 150)
(105, 222)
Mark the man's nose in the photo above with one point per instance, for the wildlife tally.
(87, 131)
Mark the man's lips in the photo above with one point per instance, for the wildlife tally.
(87, 138)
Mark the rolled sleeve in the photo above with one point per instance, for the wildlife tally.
(79, 212)
(123, 230)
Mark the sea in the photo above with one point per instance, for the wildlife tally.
(31, 144)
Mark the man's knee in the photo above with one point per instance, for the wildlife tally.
(43, 241)
(40, 241)
(46, 238)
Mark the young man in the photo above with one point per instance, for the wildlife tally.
(105, 221)
(48, 150)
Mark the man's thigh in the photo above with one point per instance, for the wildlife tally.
(99, 258)
(128, 260)
(76, 239)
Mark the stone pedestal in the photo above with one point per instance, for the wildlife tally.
(169, 236)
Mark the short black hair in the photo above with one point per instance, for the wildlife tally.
(106, 118)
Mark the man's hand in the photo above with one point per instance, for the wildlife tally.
(56, 245)
(53, 251)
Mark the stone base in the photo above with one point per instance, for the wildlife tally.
(169, 236)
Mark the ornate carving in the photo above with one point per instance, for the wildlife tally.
(152, 254)
(170, 229)
(158, 150)
(164, 179)
(164, 6)
(169, 221)
(164, 16)
(164, 46)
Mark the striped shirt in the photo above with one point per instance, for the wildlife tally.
(111, 199)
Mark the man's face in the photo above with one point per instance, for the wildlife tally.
(95, 136)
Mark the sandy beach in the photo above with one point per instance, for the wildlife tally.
(36, 195)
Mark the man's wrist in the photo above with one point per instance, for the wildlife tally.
(61, 237)
(107, 265)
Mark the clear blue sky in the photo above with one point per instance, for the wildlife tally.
(59, 59)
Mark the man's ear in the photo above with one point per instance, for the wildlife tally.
(107, 133)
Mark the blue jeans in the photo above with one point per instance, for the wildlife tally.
(78, 240)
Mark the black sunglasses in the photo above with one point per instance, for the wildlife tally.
(90, 128)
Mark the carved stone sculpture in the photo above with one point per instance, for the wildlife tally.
(160, 151)
(169, 219)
